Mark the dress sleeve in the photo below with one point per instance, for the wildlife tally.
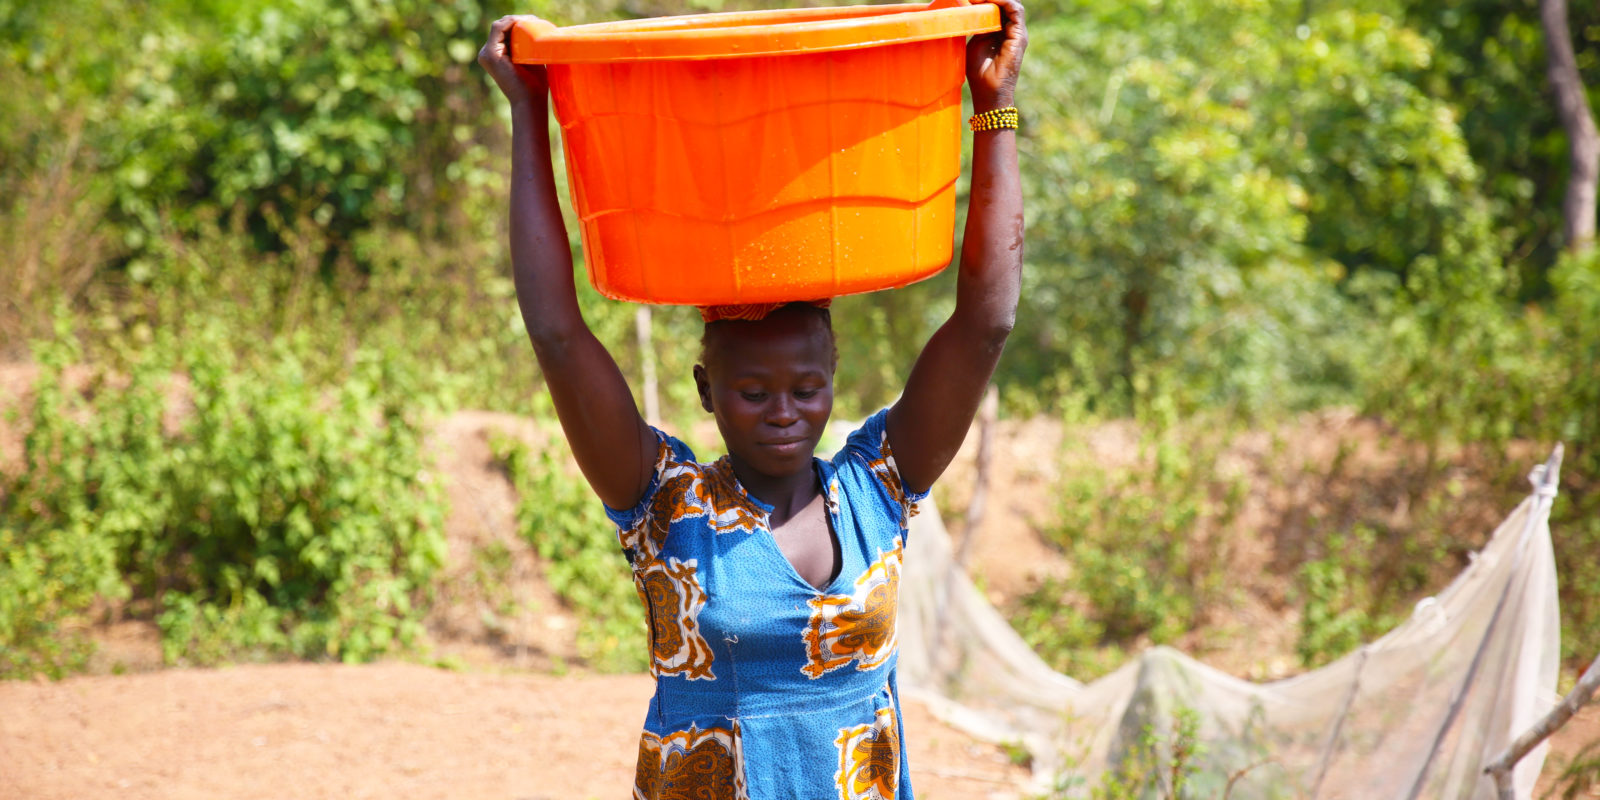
(868, 450)
(669, 450)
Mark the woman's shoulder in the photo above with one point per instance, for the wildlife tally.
(683, 489)
(866, 441)
(866, 463)
(674, 458)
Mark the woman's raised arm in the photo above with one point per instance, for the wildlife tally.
(929, 422)
(613, 445)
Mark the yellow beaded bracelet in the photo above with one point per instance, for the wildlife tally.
(994, 119)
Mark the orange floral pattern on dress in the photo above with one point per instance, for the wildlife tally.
(690, 765)
(859, 626)
(730, 510)
(673, 598)
(647, 773)
(869, 759)
(888, 474)
(687, 490)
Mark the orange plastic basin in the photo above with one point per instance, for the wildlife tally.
(762, 156)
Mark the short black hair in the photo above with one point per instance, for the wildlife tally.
(708, 341)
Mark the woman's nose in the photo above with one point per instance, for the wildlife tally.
(783, 411)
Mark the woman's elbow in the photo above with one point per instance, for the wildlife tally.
(993, 331)
(550, 328)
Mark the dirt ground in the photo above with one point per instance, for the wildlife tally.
(518, 717)
(395, 730)
(512, 721)
(386, 730)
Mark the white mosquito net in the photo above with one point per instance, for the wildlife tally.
(1415, 714)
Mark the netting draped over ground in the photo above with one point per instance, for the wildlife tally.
(1415, 714)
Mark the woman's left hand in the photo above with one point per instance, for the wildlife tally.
(995, 59)
(521, 83)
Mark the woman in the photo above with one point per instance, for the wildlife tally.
(769, 577)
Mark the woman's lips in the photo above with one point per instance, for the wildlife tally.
(785, 446)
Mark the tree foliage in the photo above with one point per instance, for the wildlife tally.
(1214, 188)
(1245, 205)
(266, 518)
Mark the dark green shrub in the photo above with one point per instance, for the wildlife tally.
(55, 560)
(1147, 546)
(275, 516)
(1341, 606)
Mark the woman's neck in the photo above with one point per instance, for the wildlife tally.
(787, 494)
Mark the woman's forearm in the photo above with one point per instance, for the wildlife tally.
(990, 279)
(541, 257)
(613, 446)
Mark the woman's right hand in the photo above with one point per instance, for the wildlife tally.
(520, 83)
(995, 59)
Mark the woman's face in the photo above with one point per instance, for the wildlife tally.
(770, 386)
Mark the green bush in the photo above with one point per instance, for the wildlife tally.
(1168, 759)
(306, 105)
(1070, 641)
(1463, 373)
(445, 317)
(55, 561)
(1203, 182)
(583, 563)
(1156, 765)
(1571, 414)
(1147, 546)
(1341, 601)
(275, 516)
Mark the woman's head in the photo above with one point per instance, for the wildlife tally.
(769, 383)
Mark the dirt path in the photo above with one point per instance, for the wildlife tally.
(388, 730)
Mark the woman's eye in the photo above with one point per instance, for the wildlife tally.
(753, 397)
(806, 394)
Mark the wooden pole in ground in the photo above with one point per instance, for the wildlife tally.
(1500, 768)
(1583, 141)
(943, 630)
(647, 363)
(980, 485)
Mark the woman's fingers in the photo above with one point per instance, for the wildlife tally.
(514, 80)
(995, 59)
(494, 50)
(498, 47)
(1014, 28)
(1015, 16)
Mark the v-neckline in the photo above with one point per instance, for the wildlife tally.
(829, 506)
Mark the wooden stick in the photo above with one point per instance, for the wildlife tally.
(647, 363)
(1580, 695)
(1583, 141)
(943, 630)
(1235, 777)
(980, 486)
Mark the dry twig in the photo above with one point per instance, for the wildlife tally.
(1500, 768)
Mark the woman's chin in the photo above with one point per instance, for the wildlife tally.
(781, 460)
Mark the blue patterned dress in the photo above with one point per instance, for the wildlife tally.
(767, 687)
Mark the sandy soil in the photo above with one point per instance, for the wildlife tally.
(386, 730)
(394, 730)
